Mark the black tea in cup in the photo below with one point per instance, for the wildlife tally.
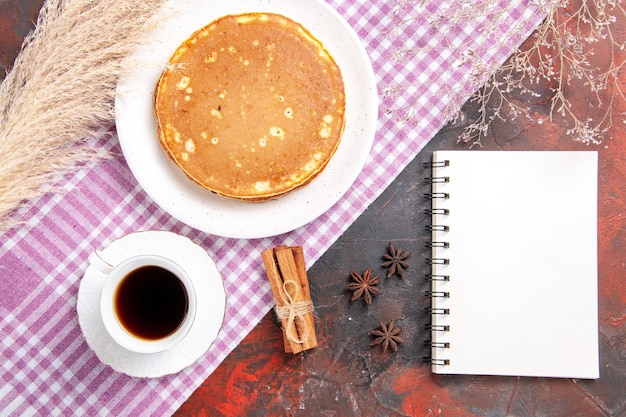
(151, 302)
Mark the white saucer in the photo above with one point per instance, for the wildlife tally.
(210, 313)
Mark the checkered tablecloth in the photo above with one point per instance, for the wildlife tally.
(428, 56)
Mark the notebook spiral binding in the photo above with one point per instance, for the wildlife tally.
(432, 311)
(436, 260)
(443, 345)
(436, 164)
(437, 277)
(435, 294)
(433, 361)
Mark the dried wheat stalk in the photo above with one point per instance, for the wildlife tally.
(61, 89)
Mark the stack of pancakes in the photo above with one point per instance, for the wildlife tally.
(251, 106)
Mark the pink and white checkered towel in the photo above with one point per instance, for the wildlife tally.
(425, 64)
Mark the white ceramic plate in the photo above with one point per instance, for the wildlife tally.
(174, 192)
(210, 314)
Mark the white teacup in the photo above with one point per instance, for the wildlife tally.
(147, 302)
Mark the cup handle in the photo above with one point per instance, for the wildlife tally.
(98, 262)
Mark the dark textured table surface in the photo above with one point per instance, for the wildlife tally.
(344, 375)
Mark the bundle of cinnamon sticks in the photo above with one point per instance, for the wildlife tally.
(286, 271)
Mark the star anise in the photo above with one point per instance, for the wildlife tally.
(395, 260)
(387, 336)
(364, 285)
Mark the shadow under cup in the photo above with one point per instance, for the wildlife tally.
(147, 304)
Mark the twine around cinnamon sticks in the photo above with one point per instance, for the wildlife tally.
(286, 271)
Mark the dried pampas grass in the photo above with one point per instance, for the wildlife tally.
(61, 90)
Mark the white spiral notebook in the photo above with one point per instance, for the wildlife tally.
(514, 286)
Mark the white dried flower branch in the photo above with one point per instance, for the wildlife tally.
(568, 46)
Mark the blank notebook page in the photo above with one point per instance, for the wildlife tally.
(522, 289)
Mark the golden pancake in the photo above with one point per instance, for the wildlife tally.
(251, 106)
